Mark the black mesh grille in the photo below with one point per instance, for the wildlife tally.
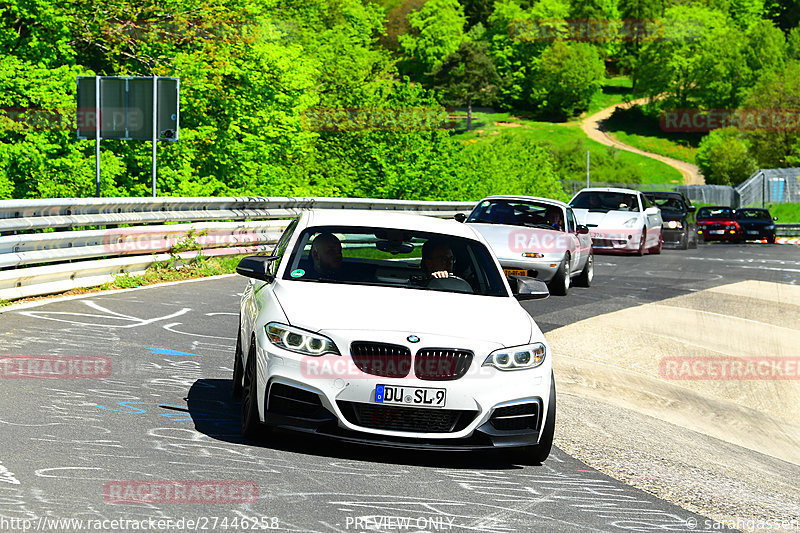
(379, 359)
(412, 419)
(441, 363)
(284, 399)
(514, 417)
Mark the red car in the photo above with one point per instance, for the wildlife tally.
(718, 223)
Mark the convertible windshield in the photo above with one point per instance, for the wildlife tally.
(715, 212)
(753, 214)
(518, 213)
(604, 201)
(394, 258)
(669, 204)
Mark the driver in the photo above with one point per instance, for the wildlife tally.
(553, 216)
(437, 259)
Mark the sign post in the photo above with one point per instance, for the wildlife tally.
(128, 109)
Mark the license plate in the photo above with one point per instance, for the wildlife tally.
(416, 396)
(512, 272)
(752, 233)
(717, 232)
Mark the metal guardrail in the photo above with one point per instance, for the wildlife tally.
(787, 230)
(36, 261)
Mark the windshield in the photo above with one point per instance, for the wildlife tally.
(753, 214)
(669, 204)
(394, 258)
(604, 201)
(715, 212)
(518, 213)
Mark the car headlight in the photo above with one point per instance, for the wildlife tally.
(674, 224)
(771, 227)
(517, 357)
(631, 222)
(299, 341)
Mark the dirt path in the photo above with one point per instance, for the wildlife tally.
(594, 126)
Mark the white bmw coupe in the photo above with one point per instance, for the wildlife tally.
(396, 330)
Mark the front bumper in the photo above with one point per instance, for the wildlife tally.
(615, 241)
(326, 403)
(543, 268)
(726, 235)
(674, 237)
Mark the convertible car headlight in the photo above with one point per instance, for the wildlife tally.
(631, 222)
(674, 224)
(299, 340)
(517, 357)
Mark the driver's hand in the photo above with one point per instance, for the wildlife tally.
(440, 274)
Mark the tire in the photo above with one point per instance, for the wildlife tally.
(695, 241)
(657, 249)
(642, 241)
(238, 371)
(559, 285)
(251, 426)
(685, 241)
(538, 453)
(586, 276)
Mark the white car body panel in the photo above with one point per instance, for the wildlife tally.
(350, 312)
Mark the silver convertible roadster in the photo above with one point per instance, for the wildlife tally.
(536, 237)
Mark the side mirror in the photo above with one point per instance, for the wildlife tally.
(527, 288)
(775, 218)
(652, 210)
(583, 230)
(460, 217)
(256, 267)
(691, 208)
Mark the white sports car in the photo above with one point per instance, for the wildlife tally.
(392, 329)
(619, 220)
(536, 237)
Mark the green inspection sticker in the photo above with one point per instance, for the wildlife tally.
(485, 204)
(299, 273)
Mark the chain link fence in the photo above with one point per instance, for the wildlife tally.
(776, 185)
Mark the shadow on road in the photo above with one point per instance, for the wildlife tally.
(215, 413)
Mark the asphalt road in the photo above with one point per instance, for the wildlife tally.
(163, 413)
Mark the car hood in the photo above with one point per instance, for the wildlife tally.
(511, 241)
(671, 215)
(324, 307)
(609, 220)
(755, 223)
(717, 220)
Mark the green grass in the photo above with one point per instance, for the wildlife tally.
(563, 137)
(615, 90)
(786, 213)
(634, 128)
(198, 267)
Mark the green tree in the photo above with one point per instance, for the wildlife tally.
(570, 74)
(778, 94)
(436, 31)
(506, 164)
(467, 76)
(723, 157)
